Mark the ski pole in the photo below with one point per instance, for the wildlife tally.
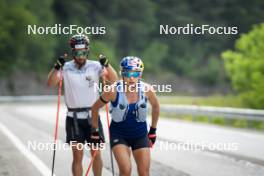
(108, 124)
(57, 124)
(90, 164)
(111, 154)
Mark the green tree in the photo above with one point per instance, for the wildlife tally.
(99, 47)
(154, 55)
(245, 66)
(20, 51)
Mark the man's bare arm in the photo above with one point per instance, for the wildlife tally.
(53, 78)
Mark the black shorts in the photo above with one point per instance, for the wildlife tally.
(134, 143)
(80, 131)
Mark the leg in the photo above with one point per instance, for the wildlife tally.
(142, 158)
(97, 163)
(122, 156)
(75, 142)
(77, 159)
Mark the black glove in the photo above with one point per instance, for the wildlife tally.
(103, 60)
(96, 138)
(152, 136)
(59, 63)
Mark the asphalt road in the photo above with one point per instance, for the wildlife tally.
(183, 148)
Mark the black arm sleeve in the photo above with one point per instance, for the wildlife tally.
(103, 100)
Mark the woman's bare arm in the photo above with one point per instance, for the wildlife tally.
(155, 106)
(108, 95)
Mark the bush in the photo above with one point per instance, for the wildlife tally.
(245, 67)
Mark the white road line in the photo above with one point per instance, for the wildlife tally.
(44, 170)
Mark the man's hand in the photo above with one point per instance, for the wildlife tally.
(103, 60)
(59, 63)
(152, 136)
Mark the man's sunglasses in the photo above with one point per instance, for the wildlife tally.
(79, 53)
(131, 74)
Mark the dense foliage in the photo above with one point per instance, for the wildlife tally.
(245, 66)
(132, 28)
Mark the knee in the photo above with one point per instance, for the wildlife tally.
(125, 170)
(143, 171)
(98, 159)
(77, 159)
(77, 162)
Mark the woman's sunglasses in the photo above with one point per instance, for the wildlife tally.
(131, 74)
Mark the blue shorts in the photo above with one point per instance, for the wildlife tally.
(134, 143)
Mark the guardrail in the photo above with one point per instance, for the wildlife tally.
(225, 112)
(31, 98)
(193, 110)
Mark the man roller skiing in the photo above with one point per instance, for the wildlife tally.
(80, 77)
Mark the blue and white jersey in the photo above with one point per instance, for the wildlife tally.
(129, 120)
